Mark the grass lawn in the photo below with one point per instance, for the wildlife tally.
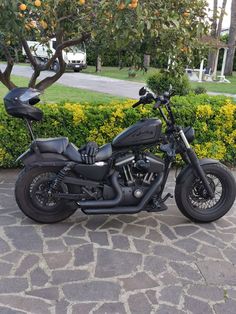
(219, 87)
(59, 93)
(114, 72)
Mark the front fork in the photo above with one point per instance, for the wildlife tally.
(194, 161)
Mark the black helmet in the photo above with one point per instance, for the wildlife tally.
(19, 103)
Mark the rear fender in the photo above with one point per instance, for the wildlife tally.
(187, 169)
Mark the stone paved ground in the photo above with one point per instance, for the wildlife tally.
(147, 263)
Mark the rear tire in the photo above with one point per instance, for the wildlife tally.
(30, 183)
(189, 194)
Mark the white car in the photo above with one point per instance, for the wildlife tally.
(75, 57)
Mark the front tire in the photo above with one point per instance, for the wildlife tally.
(33, 200)
(191, 196)
(56, 66)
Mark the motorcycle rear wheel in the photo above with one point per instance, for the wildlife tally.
(191, 196)
(34, 201)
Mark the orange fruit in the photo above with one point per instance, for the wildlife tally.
(121, 6)
(184, 49)
(43, 24)
(133, 4)
(37, 3)
(186, 13)
(22, 7)
(81, 2)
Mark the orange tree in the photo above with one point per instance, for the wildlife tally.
(174, 26)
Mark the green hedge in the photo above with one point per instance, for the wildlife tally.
(213, 117)
(161, 81)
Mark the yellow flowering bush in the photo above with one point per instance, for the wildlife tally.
(204, 112)
(212, 117)
(77, 111)
(216, 150)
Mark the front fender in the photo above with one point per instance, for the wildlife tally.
(30, 159)
(184, 172)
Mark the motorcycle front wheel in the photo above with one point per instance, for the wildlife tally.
(192, 198)
(32, 197)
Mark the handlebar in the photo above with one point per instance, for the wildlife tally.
(137, 104)
(144, 100)
(149, 98)
(159, 100)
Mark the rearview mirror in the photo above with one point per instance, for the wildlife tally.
(142, 91)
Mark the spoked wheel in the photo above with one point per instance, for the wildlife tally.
(198, 195)
(41, 195)
(38, 201)
(192, 198)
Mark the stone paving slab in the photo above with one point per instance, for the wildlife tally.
(139, 264)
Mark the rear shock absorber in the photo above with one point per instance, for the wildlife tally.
(61, 175)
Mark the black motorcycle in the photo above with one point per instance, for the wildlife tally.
(123, 177)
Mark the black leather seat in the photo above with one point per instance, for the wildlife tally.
(61, 145)
(52, 145)
(73, 153)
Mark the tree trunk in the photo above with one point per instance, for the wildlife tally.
(16, 55)
(215, 32)
(222, 14)
(146, 61)
(211, 60)
(214, 23)
(231, 42)
(212, 53)
(99, 64)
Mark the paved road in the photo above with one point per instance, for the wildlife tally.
(141, 264)
(95, 83)
(86, 81)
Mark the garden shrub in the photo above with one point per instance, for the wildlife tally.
(161, 81)
(200, 90)
(213, 118)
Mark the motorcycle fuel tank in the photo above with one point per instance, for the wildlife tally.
(144, 132)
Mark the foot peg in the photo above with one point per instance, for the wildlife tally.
(158, 204)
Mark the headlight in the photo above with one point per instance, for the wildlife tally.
(189, 133)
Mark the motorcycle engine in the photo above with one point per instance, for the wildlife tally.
(137, 172)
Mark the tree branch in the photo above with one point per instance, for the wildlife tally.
(5, 76)
(7, 82)
(28, 53)
(10, 61)
(63, 18)
(34, 77)
(48, 81)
